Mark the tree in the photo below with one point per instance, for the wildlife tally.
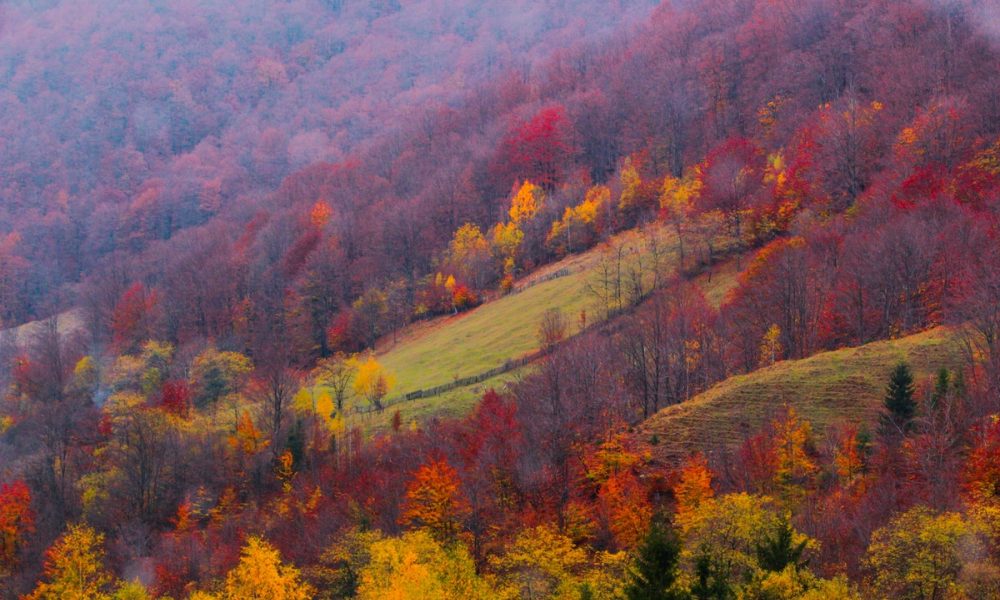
(579, 224)
(780, 549)
(770, 346)
(677, 204)
(982, 467)
(134, 320)
(552, 328)
(435, 502)
(17, 521)
(370, 310)
(850, 454)
(74, 568)
(319, 214)
(710, 582)
(793, 465)
(842, 150)
(731, 181)
(372, 382)
(336, 372)
(540, 147)
(415, 566)
(632, 199)
(261, 575)
(542, 562)
(919, 555)
(217, 374)
(143, 456)
(625, 507)
(654, 576)
(729, 529)
(526, 203)
(693, 487)
(469, 256)
(338, 573)
(899, 407)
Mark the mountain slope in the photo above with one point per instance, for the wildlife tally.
(827, 388)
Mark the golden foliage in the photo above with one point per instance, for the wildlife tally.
(526, 203)
(770, 346)
(372, 381)
(415, 567)
(631, 184)
(792, 437)
(506, 243)
(74, 568)
(260, 574)
(542, 563)
(920, 554)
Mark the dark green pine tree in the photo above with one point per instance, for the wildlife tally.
(942, 386)
(655, 570)
(710, 582)
(778, 551)
(899, 406)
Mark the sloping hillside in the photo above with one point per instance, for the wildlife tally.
(437, 352)
(831, 387)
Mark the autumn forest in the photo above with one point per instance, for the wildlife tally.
(569, 299)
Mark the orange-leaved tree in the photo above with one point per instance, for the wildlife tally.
(794, 466)
(434, 501)
(693, 487)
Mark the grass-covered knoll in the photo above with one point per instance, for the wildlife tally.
(844, 385)
(438, 351)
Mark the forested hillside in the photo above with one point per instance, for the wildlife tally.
(723, 277)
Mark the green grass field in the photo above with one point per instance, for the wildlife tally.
(844, 385)
(437, 352)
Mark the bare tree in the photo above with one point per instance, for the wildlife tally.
(552, 328)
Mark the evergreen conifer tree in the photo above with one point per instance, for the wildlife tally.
(899, 405)
(655, 570)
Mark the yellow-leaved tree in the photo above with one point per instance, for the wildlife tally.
(526, 203)
(578, 226)
(75, 570)
(506, 244)
(770, 346)
(470, 255)
(372, 381)
(677, 204)
(261, 575)
(415, 566)
(542, 563)
(922, 554)
(631, 196)
(729, 528)
(216, 375)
